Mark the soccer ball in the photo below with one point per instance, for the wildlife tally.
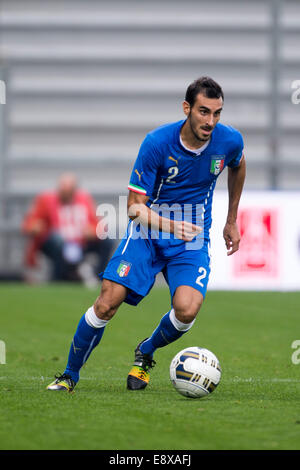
(195, 372)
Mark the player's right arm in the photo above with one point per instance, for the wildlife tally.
(137, 210)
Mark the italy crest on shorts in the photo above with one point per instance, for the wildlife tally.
(217, 164)
(124, 268)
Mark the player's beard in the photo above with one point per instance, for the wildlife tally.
(196, 134)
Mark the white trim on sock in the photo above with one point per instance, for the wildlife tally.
(89, 350)
(178, 324)
(92, 319)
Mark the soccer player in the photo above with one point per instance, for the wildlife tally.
(169, 207)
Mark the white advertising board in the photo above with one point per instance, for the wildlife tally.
(269, 254)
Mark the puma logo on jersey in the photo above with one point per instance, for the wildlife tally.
(173, 160)
(139, 174)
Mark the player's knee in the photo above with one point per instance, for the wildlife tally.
(185, 315)
(109, 300)
(105, 308)
(186, 310)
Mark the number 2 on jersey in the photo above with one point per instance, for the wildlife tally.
(173, 171)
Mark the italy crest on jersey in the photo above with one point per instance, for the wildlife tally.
(217, 164)
(123, 268)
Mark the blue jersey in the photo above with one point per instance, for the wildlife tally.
(182, 182)
(172, 175)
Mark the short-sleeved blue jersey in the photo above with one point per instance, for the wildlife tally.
(182, 182)
(170, 174)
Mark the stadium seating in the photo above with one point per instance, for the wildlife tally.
(86, 81)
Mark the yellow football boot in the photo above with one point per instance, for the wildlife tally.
(138, 377)
(62, 382)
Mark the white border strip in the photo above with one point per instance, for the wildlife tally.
(130, 235)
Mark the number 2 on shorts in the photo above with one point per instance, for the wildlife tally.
(202, 271)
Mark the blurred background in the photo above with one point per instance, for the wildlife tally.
(86, 80)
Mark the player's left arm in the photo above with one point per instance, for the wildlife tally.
(235, 182)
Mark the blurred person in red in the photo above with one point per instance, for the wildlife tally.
(62, 225)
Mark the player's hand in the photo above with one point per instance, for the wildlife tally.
(186, 231)
(232, 237)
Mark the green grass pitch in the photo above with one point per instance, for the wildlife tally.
(256, 405)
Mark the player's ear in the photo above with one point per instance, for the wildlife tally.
(186, 108)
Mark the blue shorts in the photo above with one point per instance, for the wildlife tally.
(136, 262)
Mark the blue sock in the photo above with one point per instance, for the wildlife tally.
(164, 334)
(85, 340)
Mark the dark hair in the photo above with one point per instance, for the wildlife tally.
(205, 85)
